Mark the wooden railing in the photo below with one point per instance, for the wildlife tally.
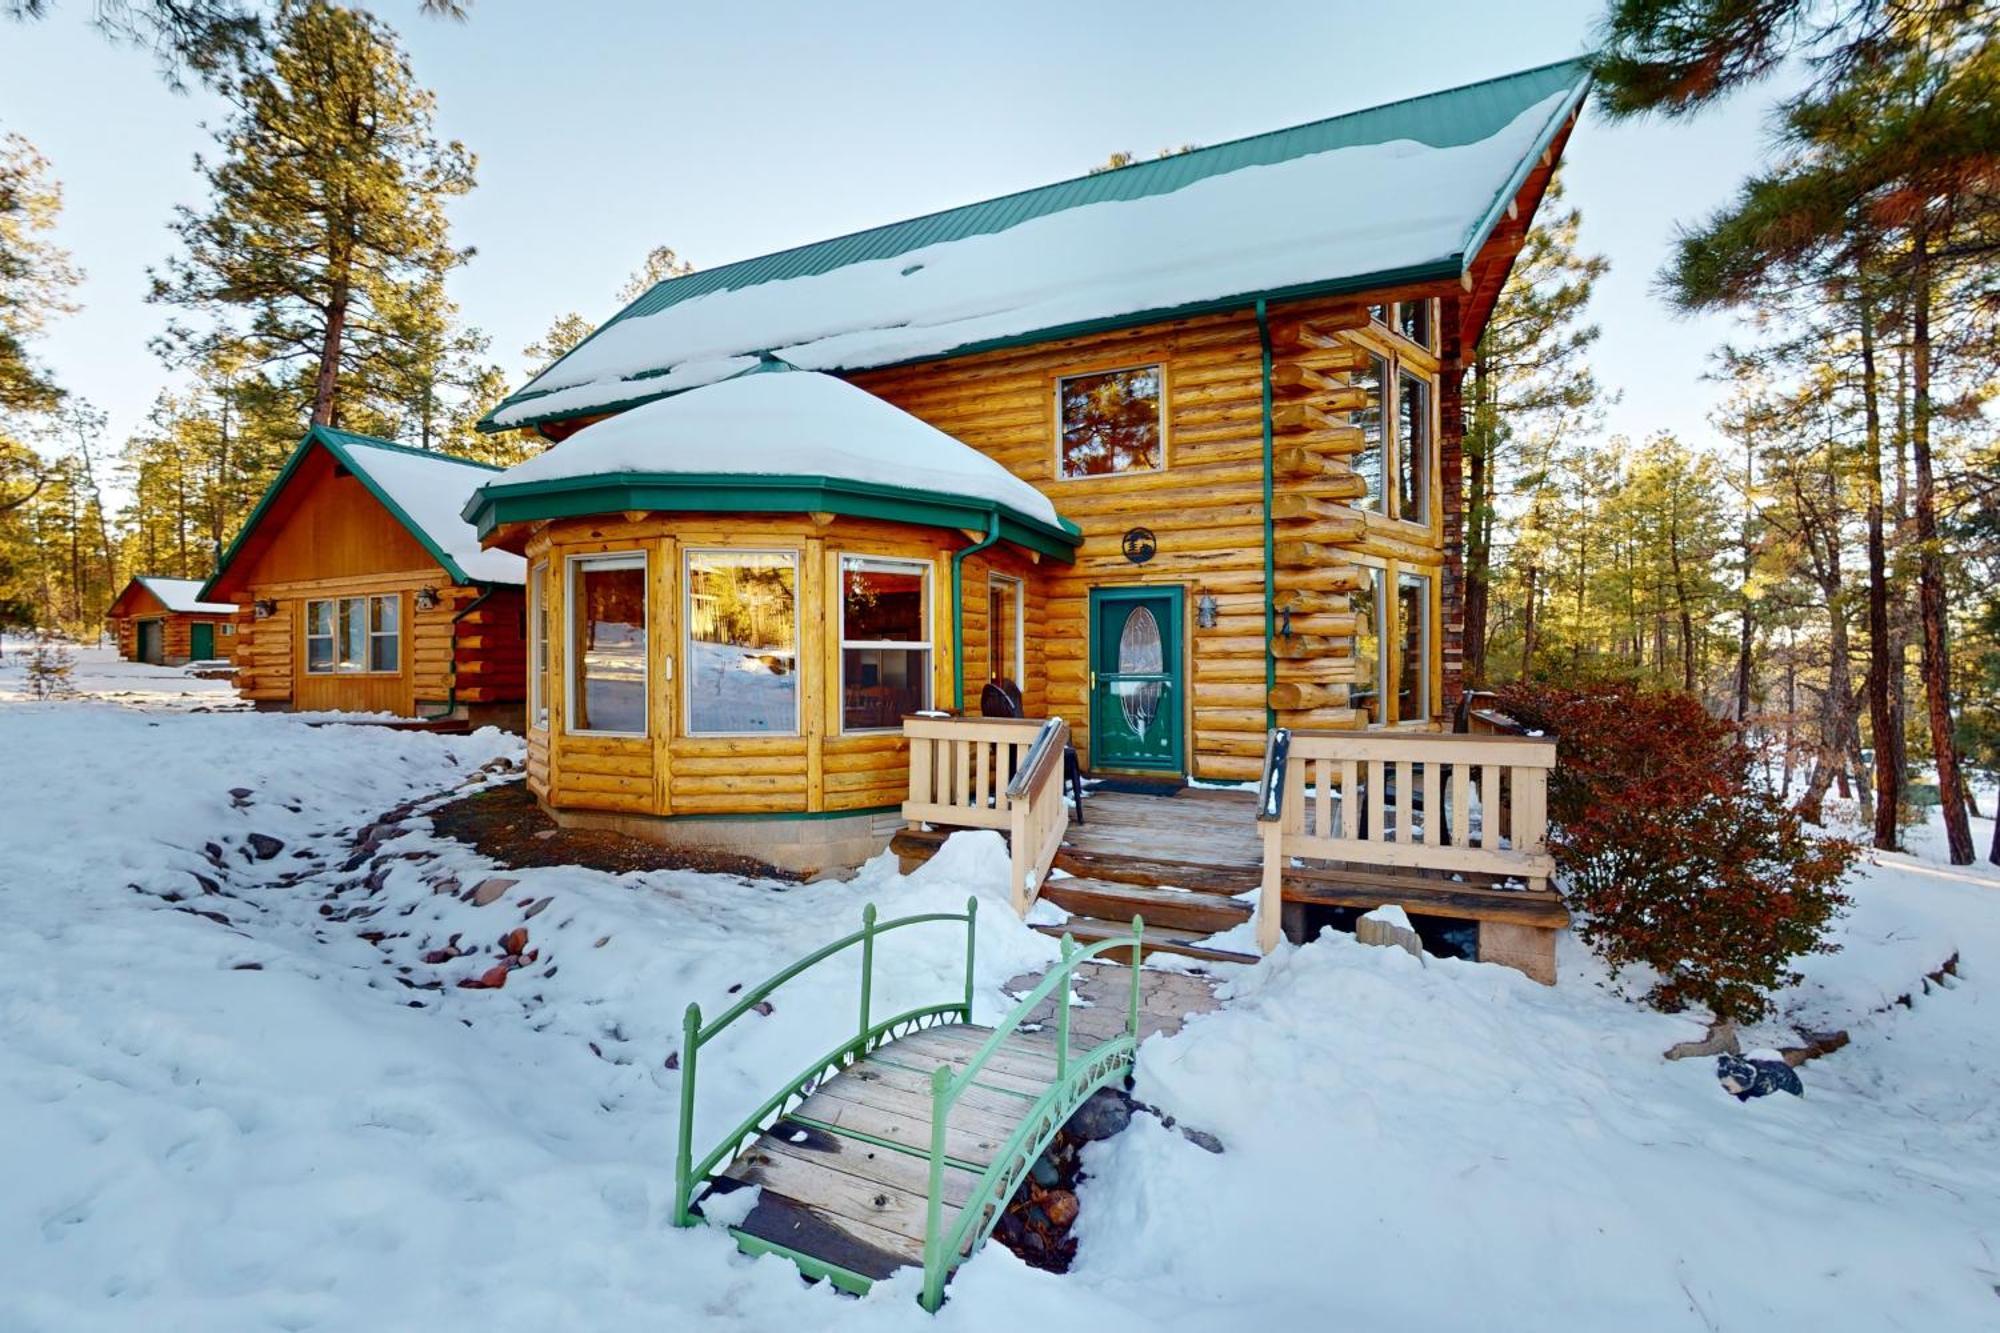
(1403, 801)
(997, 773)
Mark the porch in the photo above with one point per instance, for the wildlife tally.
(1450, 827)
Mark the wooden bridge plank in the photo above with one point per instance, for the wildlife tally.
(854, 1245)
(863, 1160)
(909, 1131)
(840, 1197)
(1000, 1104)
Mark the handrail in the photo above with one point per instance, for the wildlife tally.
(695, 1034)
(1094, 1068)
(1271, 786)
(1045, 751)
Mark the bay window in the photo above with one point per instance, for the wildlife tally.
(742, 671)
(1413, 641)
(885, 641)
(1413, 448)
(1365, 690)
(607, 644)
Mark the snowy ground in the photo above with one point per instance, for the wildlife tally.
(272, 1120)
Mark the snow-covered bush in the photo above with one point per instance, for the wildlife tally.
(1671, 851)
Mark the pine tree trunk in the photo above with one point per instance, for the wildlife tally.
(326, 386)
(1528, 627)
(1931, 609)
(1883, 724)
(1746, 635)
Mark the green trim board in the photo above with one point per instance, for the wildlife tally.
(715, 492)
(1442, 119)
(341, 444)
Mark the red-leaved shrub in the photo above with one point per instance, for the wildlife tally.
(1671, 852)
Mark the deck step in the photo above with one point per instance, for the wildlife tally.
(1165, 908)
(1222, 881)
(1188, 944)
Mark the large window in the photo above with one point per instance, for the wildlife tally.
(1394, 461)
(1005, 637)
(1413, 448)
(742, 643)
(1413, 321)
(1413, 641)
(1110, 422)
(1364, 692)
(353, 635)
(1372, 417)
(885, 641)
(538, 648)
(607, 644)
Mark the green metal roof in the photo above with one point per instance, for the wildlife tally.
(1444, 119)
(342, 444)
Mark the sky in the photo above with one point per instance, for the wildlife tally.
(727, 131)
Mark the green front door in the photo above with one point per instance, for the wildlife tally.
(201, 642)
(1137, 696)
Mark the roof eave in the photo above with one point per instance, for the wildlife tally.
(493, 507)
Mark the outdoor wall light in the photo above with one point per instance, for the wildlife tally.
(1204, 611)
(1285, 622)
(427, 598)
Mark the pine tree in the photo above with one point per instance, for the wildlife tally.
(1528, 385)
(326, 230)
(1888, 169)
(36, 276)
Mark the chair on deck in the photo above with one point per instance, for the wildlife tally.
(1002, 698)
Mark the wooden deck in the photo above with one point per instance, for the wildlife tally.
(844, 1176)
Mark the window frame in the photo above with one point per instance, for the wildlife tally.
(1422, 381)
(1056, 382)
(539, 657)
(796, 558)
(928, 645)
(1426, 581)
(369, 634)
(573, 566)
(1019, 632)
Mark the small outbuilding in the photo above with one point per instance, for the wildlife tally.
(362, 590)
(166, 622)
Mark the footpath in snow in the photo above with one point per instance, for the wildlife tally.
(262, 1107)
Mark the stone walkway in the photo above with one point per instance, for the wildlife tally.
(1103, 990)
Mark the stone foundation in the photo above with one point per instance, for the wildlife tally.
(809, 845)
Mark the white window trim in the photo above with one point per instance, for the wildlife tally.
(1020, 636)
(1159, 369)
(538, 647)
(928, 645)
(369, 634)
(687, 638)
(572, 660)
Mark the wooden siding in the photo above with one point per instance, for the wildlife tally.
(1205, 506)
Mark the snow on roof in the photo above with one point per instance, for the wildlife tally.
(184, 595)
(430, 490)
(1393, 194)
(784, 423)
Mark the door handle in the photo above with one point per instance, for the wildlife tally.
(1093, 680)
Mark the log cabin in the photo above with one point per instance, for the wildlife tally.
(359, 588)
(1174, 449)
(165, 622)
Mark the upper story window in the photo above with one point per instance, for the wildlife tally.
(743, 643)
(1110, 421)
(1412, 319)
(1394, 461)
